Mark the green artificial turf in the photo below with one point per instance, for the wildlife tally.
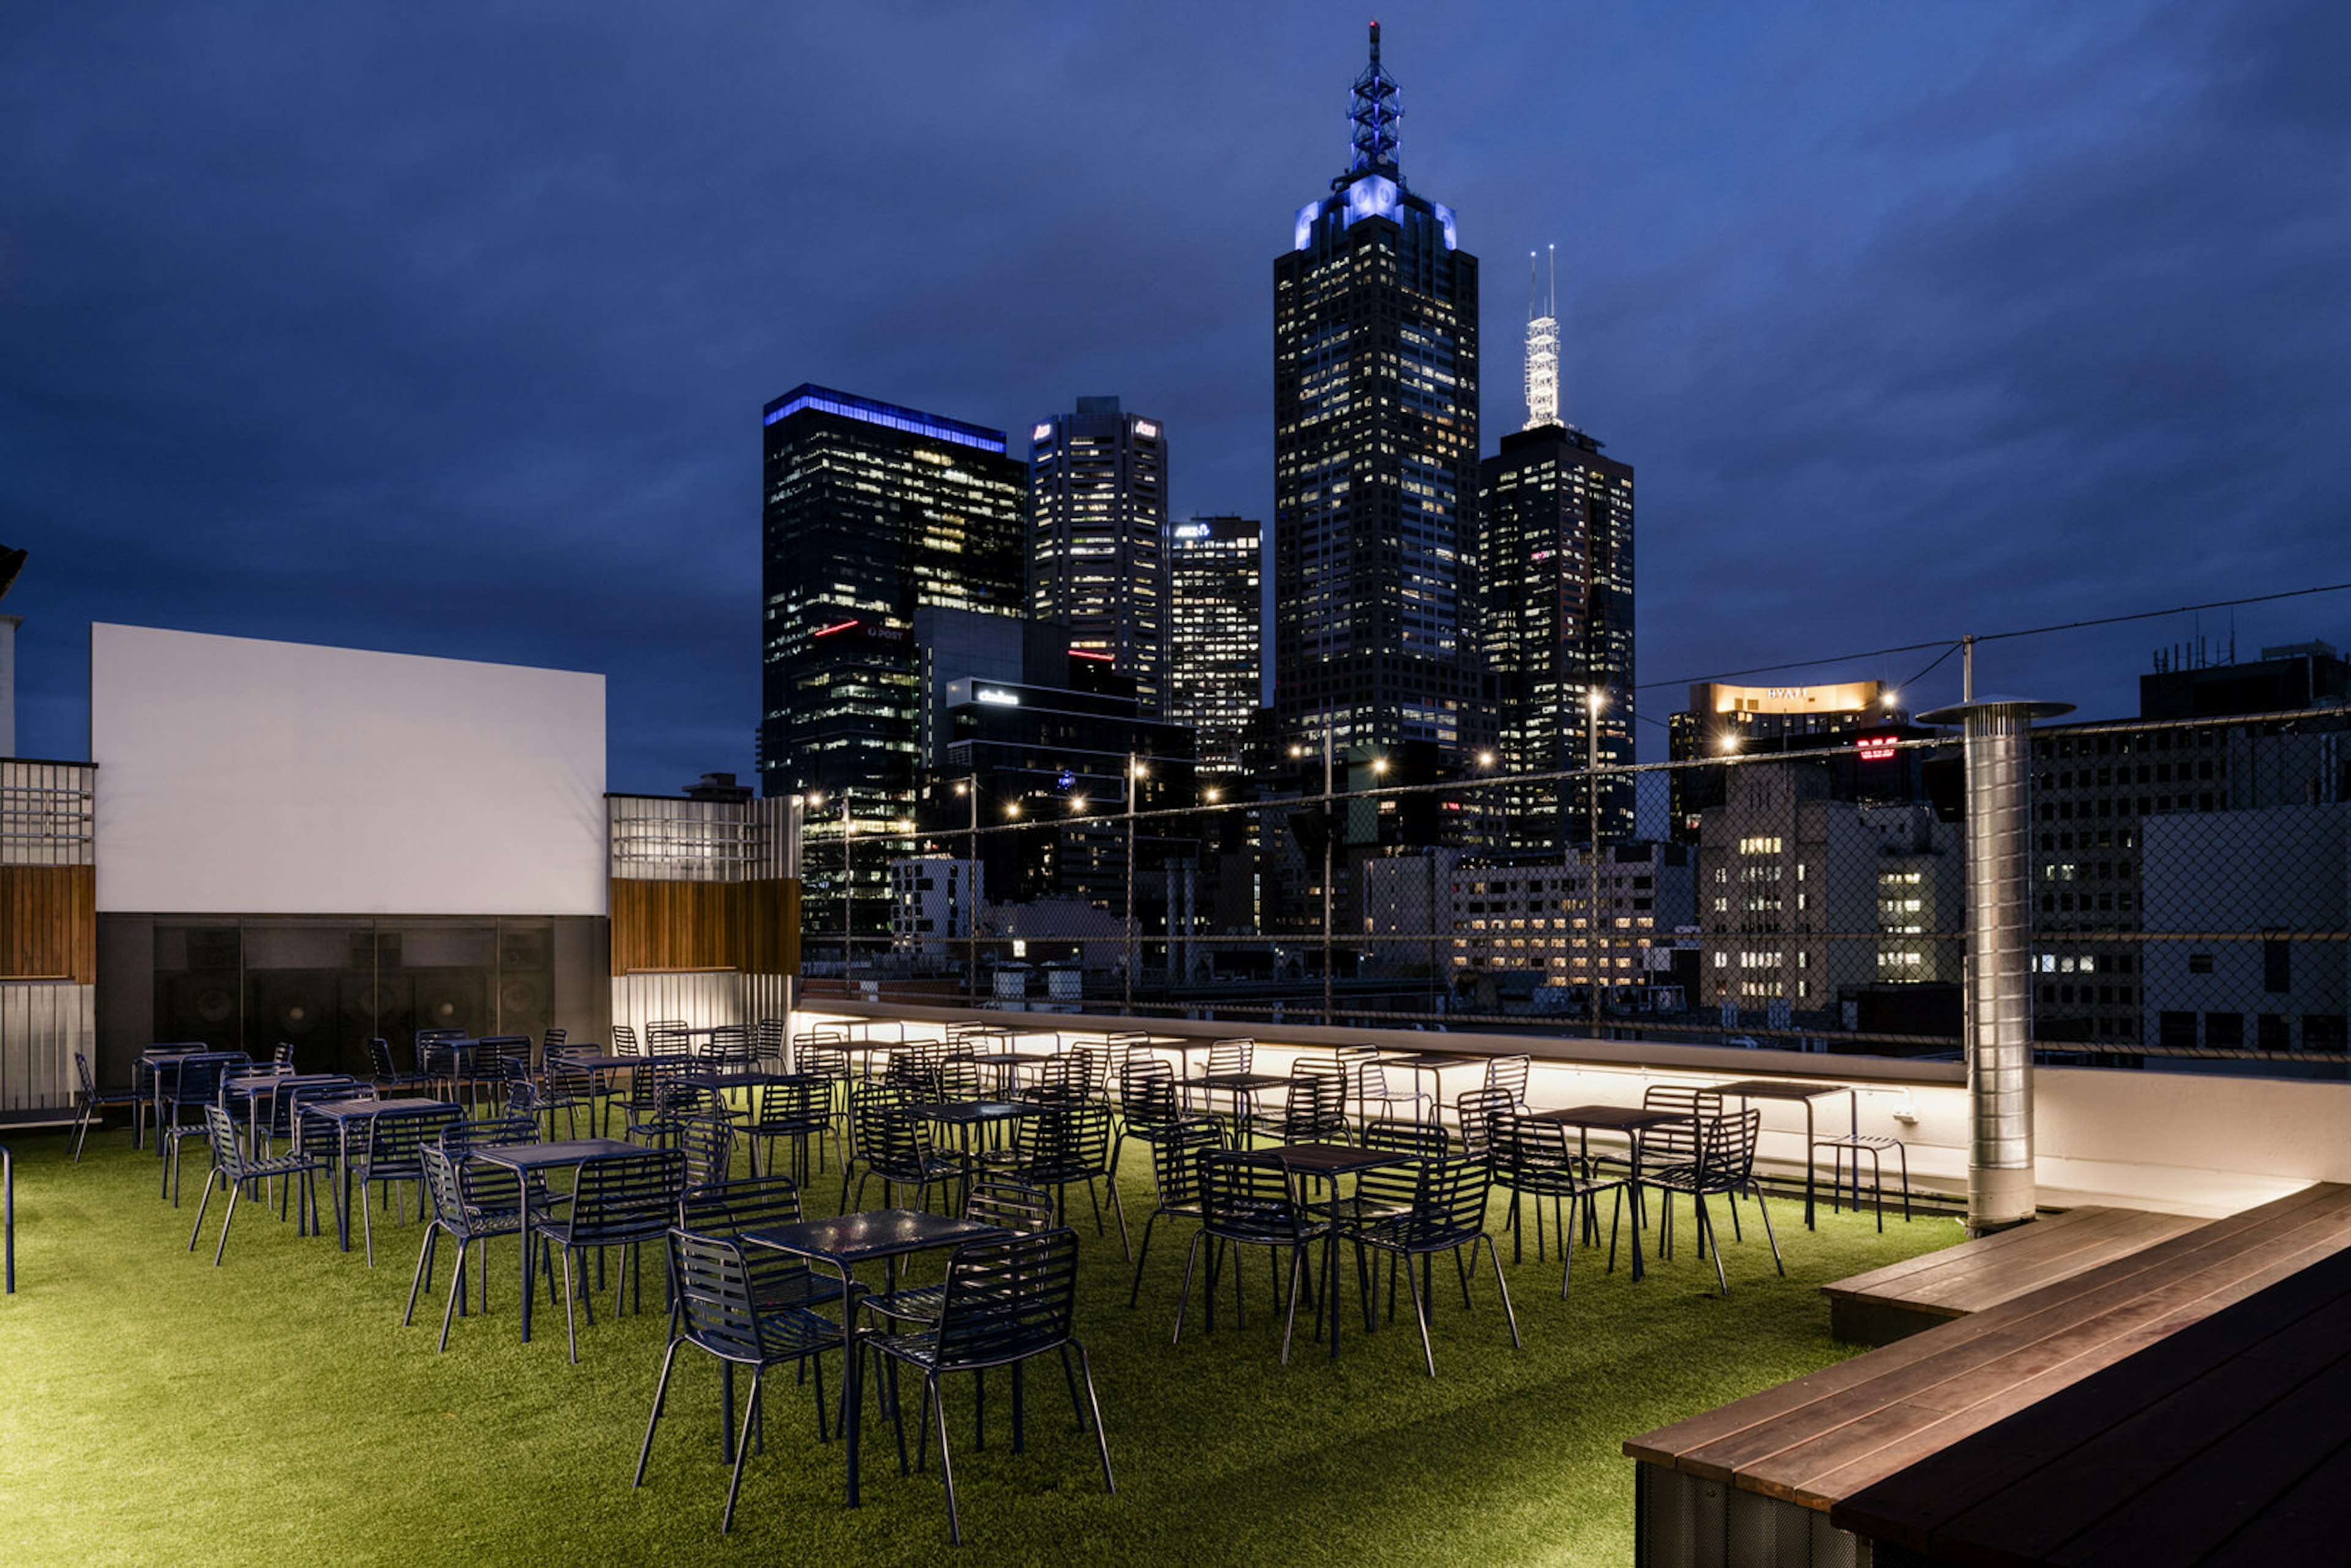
(155, 1408)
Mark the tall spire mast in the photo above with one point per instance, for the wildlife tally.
(1373, 111)
(1542, 343)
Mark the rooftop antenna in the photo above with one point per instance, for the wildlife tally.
(1542, 343)
(1373, 111)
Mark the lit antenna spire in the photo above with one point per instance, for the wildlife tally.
(1542, 343)
(1373, 111)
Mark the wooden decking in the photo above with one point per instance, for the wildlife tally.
(1822, 1439)
(2227, 1442)
(1903, 1298)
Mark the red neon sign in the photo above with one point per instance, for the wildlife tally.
(1877, 748)
(836, 626)
(1085, 653)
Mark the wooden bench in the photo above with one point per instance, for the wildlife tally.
(1738, 1484)
(1902, 1298)
(2229, 1441)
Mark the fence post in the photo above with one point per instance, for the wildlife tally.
(1998, 1024)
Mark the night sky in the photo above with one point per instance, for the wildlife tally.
(444, 329)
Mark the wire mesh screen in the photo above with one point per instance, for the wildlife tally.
(2190, 888)
(1807, 900)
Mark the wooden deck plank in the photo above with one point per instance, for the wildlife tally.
(2027, 1459)
(1728, 1443)
(2195, 1445)
(2000, 1241)
(2312, 1511)
(1981, 1283)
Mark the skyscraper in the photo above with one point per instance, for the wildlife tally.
(1098, 538)
(1376, 455)
(872, 512)
(1555, 529)
(1215, 671)
(1555, 522)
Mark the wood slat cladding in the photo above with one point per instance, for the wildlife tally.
(49, 923)
(750, 927)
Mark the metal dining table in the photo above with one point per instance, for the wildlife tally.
(346, 1115)
(841, 1244)
(1634, 1122)
(524, 1160)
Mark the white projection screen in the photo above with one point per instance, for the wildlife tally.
(237, 777)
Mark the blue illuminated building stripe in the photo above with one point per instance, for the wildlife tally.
(914, 420)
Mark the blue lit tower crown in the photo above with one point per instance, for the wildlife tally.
(1376, 455)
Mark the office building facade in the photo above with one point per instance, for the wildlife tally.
(1098, 538)
(872, 512)
(1376, 455)
(1555, 528)
(1217, 664)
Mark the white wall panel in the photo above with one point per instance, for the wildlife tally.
(246, 777)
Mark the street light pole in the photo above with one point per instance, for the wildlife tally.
(971, 895)
(848, 902)
(1329, 792)
(1592, 703)
(1133, 772)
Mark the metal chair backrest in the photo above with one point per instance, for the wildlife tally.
(708, 1141)
(550, 1039)
(1450, 1208)
(1176, 1162)
(957, 1078)
(896, 1145)
(88, 1083)
(1072, 1139)
(1677, 1142)
(227, 1145)
(869, 1101)
(1527, 1145)
(1146, 1092)
(717, 1300)
(628, 1198)
(1425, 1140)
(1727, 1160)
(665, 1037)
(1007, 1300)
(1509, 1073)
(497, 1055)
(767, 1040)
(1246, 1198)
(1010, 1205)
(1316, 1105)
(731, 1043)
(789, 1104)
(1228, 1056)
(624, 1040)
(380, 1061)
(752, 1203)
(196, 1080)
(1477, 1109)
(389, 1151)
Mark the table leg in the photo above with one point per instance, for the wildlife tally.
(1808, 1167)
(522, 1185)
(852, 1378)
(1633, 1200)
(343, 1202)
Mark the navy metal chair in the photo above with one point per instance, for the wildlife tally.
(794, 1112)
(457, 1212)
(1724, 1166)
(1175, 1177)
(1446, 1214)
(192, 1083)
(1536, 1161)
(622, 1202)
(1068, 1144)
(1247, 1201)
(719, 1315)
(389, 1156)
(1005, 1303)
(236, 1168)
(898, 1148)
(91, 1102)
(1010, 1206)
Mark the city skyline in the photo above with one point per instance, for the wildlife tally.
(348, 331)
